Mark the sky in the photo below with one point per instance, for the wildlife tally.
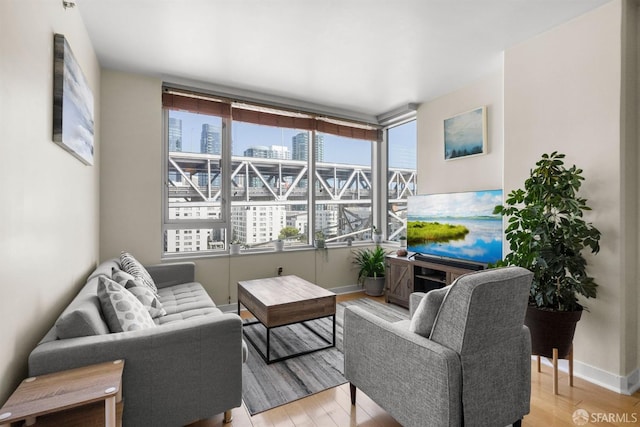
(402, 140)
(465, 204)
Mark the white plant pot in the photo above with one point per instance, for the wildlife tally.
(403, 243)
(279, 245)
(234, 248)
(377, 239)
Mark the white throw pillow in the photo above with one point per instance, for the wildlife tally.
(122, 311)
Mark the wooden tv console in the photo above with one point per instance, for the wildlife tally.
(405, 275)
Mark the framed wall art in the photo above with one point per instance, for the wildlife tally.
(73, 124)
(466, 134)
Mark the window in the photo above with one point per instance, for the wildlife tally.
(401, 176)
(242, 172)
(193, 179)
(343, 188)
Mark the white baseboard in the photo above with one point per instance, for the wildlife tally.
(349, 289)
(628, 384)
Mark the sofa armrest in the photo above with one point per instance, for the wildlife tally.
(190, 368)
(172, 274)
(418, 381)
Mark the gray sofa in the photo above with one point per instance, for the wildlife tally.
(463, 359)
(188, 367)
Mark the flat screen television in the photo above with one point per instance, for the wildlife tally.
(459, 226)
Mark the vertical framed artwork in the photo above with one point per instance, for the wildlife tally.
(466, 134)
(73, 124)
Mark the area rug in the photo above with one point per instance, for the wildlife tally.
(268, 386)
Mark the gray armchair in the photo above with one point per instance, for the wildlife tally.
(467, 363)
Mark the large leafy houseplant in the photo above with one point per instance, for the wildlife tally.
(371, 268)
(547, 234)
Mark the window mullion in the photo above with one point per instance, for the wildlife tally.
(311, 218)
(225, 176)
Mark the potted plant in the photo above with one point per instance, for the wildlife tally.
(278, 245)
(547, 235)
(403, 241)
(377, 235)
(234, 247)
(319, 241)
(370, 263)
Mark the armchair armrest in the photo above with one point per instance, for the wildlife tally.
(171, 370)
(385, 360)
(172, 274)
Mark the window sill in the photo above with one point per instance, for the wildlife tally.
(184, 256)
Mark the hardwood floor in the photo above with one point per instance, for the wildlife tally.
(332, 407)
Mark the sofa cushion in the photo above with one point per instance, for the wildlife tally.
(184, 297)
(137, 270)
(148, 299)
(84, 320)
(185, 301)
(122, 311)
(83, 316)
(187, 314)
(105, 269)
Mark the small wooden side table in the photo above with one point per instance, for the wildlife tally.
(59, 391)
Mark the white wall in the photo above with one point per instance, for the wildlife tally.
(49, 213)
(563, 92)
(436, 175)
(131, 197)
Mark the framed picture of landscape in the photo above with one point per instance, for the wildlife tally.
(73, 124)
(466, 134)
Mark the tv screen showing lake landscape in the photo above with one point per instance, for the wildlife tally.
(456, 225)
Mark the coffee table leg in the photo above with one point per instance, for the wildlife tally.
(268, 352)
(334, 330)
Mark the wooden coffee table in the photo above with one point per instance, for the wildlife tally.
(285, 300)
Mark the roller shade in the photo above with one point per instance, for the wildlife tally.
(261, 115)
(348, 131)
(194, 104)
(271, 119)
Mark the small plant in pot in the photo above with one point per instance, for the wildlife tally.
(319, 241)
(377, 235)
(547, 234)
(370, 263)
(234, 247)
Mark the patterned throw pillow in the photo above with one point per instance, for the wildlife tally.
(132, 266)
(145, 296)
(122, 311)
(121, 277)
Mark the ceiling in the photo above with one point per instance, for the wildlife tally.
(366, 57)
